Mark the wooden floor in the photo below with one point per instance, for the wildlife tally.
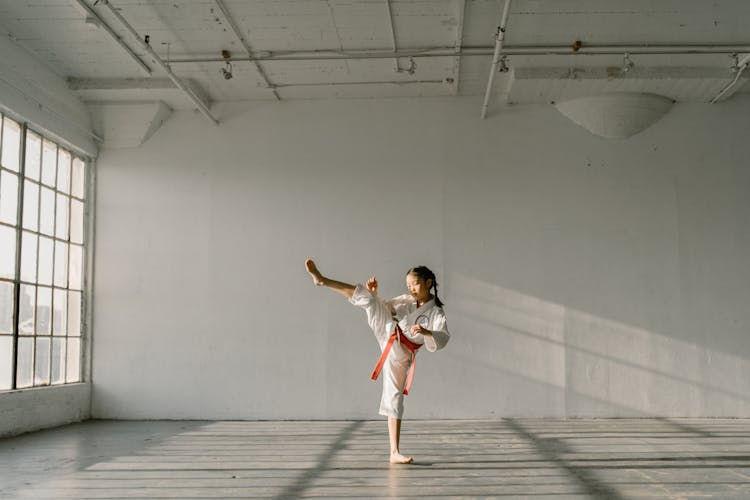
(509, 458)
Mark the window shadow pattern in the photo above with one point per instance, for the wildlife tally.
(619, 459)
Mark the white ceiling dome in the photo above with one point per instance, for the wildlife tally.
(617, 115)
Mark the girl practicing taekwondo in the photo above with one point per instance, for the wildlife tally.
(401, 325)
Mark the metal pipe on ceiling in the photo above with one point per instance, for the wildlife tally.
(189, 92)
(741, 67)
(459, 43)
(499, 38)
(508, 50)
(114, 36)
(619, 49)
(379, 82)
(393, 34)
(246, 46)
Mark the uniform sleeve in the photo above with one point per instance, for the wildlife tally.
(361, 297)
(440, 335)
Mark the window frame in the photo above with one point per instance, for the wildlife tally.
(68, 194)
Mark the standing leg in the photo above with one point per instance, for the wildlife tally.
(344, 289)
(394, 435)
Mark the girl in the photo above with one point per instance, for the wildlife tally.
(401, 326)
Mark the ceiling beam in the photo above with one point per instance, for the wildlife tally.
(238, 33)
(120, 84)
(397, 69)
(114, 84)
(100, 22)
(459, 43)
(338, 34)
(202, 106)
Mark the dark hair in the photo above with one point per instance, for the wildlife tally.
(424, 273)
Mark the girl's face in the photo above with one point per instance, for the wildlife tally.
(418, 288)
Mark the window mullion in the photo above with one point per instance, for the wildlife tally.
(19, 228)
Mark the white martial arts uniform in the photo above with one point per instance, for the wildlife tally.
(383, 316)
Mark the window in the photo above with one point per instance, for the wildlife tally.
(42, 214)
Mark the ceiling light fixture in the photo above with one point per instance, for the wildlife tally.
(412, 66)
(735, 66)
(411, 69)
(627, 63)
(226, 72)
(502, 65)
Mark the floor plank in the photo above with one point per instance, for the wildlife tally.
(508, 458)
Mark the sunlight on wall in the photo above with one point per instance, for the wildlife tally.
(602, 367)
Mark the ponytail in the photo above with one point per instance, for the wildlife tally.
(424, 273)
(438, 302)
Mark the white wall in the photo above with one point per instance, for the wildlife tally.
(582, 276)
(31, 92)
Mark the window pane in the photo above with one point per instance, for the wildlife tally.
(60, 312)
(49, 162)
(27, 309)
(41, 372)
(58, 361)
(11, 144)
(61, 264)
(43, 310)
(76, 221)
(44, 275)
(61, 217)
(73, 370)
(6, 362)
(7, 252)
(63, 171)
(25, 366)
(6, 307)
(33, 155)
(76, 256)
(8, 197)
(30, 205)
(28, 256)
(78, 178)
(52, 228)
(74, 314)
(47, 212)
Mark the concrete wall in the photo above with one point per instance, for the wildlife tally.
(583, 277)
(39, 408)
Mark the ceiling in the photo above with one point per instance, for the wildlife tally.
(310, 49)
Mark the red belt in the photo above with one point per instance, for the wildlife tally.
(398, 334)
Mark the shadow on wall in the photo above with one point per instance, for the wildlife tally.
(586, 365)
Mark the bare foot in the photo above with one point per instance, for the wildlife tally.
(398, 458)
(313, 270)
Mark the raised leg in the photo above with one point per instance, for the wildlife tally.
(344, 289)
